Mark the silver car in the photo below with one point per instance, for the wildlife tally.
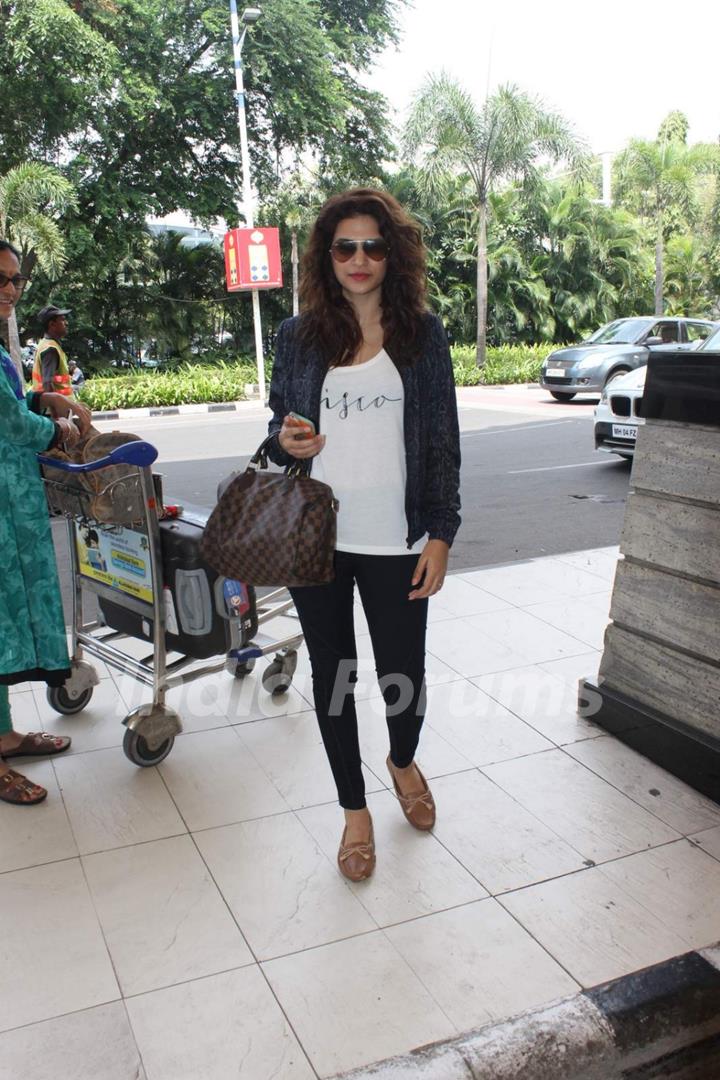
(615, 349)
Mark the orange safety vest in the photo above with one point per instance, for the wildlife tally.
(61, 379)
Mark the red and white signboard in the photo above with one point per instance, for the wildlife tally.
(252, 259)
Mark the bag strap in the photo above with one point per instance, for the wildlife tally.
(260, 460)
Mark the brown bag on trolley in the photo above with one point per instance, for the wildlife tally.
(272, 528)
(109, 495)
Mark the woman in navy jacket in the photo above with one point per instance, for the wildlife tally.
(369, 367)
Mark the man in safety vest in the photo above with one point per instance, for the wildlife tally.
(50, 370)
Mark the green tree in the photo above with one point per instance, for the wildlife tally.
(659, 179)
(503, 140)
(445, 215)
(520, 299)
(32, 199)
(688, 285)
(674, 127)
(136, 98)
(294, 204)
(56, 68)
(183, 289)
(140, 96)
(594, 261)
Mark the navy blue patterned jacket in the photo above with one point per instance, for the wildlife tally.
(432, 441)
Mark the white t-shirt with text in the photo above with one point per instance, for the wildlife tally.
(363, 460)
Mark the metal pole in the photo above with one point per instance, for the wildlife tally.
(238, 39)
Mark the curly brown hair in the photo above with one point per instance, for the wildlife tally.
(328, 321)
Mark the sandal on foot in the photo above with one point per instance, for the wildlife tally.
(357, 861)
(17, 789)
(418, 809)
(39, 744)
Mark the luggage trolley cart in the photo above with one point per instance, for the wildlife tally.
(151, 584)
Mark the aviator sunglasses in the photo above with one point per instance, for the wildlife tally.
(376, 249)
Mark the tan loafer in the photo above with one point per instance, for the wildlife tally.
(418, 809)
(357, 861)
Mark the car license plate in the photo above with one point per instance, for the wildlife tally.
(624, 431)
(555, 372)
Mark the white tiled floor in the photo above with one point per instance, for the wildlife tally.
(189, 923)
(163, 917)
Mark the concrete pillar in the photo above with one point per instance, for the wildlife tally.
(659, 679)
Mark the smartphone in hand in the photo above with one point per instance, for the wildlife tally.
(308, 428)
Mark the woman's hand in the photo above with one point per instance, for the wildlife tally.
(431, 569)
(298, 447)
(58, 405)
(69, 433)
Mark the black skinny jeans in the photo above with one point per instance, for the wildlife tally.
(397, 630)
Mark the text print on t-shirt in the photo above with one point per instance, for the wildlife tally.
(344, 404)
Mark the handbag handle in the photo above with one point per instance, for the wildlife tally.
(260, 459)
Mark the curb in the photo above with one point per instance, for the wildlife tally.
(179, 410)
(502, 386)
(246, 405)
(666, 1015)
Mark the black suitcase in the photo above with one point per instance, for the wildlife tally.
(206, 614)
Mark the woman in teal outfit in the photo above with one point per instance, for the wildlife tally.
(32, 625)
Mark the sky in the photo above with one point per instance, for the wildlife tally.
(614, 69)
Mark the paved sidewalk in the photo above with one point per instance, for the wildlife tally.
(188, 922)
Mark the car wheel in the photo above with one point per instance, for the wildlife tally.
(561, 397)
(616, 375)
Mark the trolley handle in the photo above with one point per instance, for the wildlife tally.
(132, 453)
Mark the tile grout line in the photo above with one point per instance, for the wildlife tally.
(632, 798)
(595, 862)
(257, 962)
(640, 902)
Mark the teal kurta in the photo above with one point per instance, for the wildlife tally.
(32, 625)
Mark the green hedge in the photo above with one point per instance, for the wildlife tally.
(503, 364)
(192, 384)
(202, 383)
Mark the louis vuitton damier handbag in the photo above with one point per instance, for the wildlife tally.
(273, 528)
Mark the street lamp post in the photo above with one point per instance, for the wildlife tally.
(249, 16)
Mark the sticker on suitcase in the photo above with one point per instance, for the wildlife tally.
(237, 601)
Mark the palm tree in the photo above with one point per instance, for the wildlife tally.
(595, 261)
(297, 202)
(505, 139)
(687, 280)
(182, 296)
(521, 300)
(32, 198)
(449, 233)
(662, 176)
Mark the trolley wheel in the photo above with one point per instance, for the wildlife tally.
(278, 675)
(240, 668)
(60, 700)
(243, 668)
(138, 751)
